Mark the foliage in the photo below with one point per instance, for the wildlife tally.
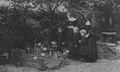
(7, 68)
(45, 58)
(107, 51)
(23, 20)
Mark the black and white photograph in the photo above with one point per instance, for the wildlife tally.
(59, 35)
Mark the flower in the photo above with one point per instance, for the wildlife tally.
(44, 48)
(42, 54)
(35, 58)
(39, 44)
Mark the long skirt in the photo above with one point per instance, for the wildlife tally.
(88, 49)
(69, 39)
(75, 43)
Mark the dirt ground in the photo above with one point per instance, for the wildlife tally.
(75, 66)
(100, 66)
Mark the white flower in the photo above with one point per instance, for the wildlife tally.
(80, 41)
(45, 48)
(53, 42)
(35, 58)
(67, 51)
(42, 54)
(39, 44)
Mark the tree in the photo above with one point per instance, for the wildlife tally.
(48, 13)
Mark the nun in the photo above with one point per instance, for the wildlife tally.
(69, 33)
(87, 44)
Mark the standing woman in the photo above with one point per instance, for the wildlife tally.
(69, 33)
(88, 49)
(75, 43)
(69, 36)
